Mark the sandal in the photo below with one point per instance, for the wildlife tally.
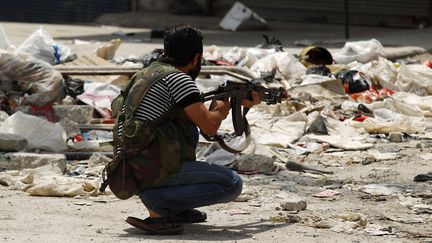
(190, 216)
(156, 226)
(423, 177)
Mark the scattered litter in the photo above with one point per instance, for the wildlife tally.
(83, 203)
(285, 64)
(354, 81)
(100, 96)
(321, 225)
(39, 81)
(246, 195)
(42, 46)
(380, 190)
(378, 230)
(409, 220)
(31, 127)
(379, 156)
(285, 219)
(238, 212)
(326, 193)
(108, 51)
(364, 102)
(362, 51)
(316, 56)
(49, 181)
(422, 209)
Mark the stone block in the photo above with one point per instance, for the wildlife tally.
(22, 160)
(12, 142)
(395, 137)
(294, 203)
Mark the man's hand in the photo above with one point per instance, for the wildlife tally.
(256, 99)
(222, 107)
(208, 121)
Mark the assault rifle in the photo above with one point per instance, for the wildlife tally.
(236, 92)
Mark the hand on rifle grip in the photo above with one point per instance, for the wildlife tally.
(221, 106)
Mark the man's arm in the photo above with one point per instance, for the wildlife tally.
(208, 121)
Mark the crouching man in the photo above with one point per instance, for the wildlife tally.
(163, 112)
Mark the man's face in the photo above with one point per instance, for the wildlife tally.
(196, 69)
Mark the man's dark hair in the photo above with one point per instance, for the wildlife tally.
(181, 44)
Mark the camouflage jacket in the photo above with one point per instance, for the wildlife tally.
(153, 150)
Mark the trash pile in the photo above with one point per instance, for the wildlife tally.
(55, 128)
(346, 107)
(343, 100)
(52, 125)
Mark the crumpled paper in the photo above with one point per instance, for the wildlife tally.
(49, 181)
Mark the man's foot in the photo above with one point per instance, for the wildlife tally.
(189, 216)
(156, 226)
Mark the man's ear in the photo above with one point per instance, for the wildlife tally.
(196, 59)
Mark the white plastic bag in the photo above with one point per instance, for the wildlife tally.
(234, 55)
(39, 133)
(4, 41)
(259, 53)
(42, 83)
(382, 72)
(43, 47)
(362, 51)
(212, 53)
(415, 78)
(287, 65)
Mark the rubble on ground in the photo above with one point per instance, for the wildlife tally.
(361, 112)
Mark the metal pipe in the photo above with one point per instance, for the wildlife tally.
(347, 30)
(236, 72)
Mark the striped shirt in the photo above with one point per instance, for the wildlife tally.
(175, 88)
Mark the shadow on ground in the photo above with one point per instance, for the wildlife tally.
(204, 232)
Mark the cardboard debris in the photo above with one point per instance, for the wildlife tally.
(92, 60)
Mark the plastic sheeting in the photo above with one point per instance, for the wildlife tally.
(387, 121)
(342, 135)
(362, 51)
(41, 82)
(286, 64)
(39, 133)
(49, 181)
(280, 131)
(42, 46)
(100, 96)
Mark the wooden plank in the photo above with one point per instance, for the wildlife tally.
(90, 61)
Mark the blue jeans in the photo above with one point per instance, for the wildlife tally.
(196, 184)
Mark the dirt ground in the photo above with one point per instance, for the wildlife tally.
(258, 219)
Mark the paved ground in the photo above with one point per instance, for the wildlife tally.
(138, 41)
